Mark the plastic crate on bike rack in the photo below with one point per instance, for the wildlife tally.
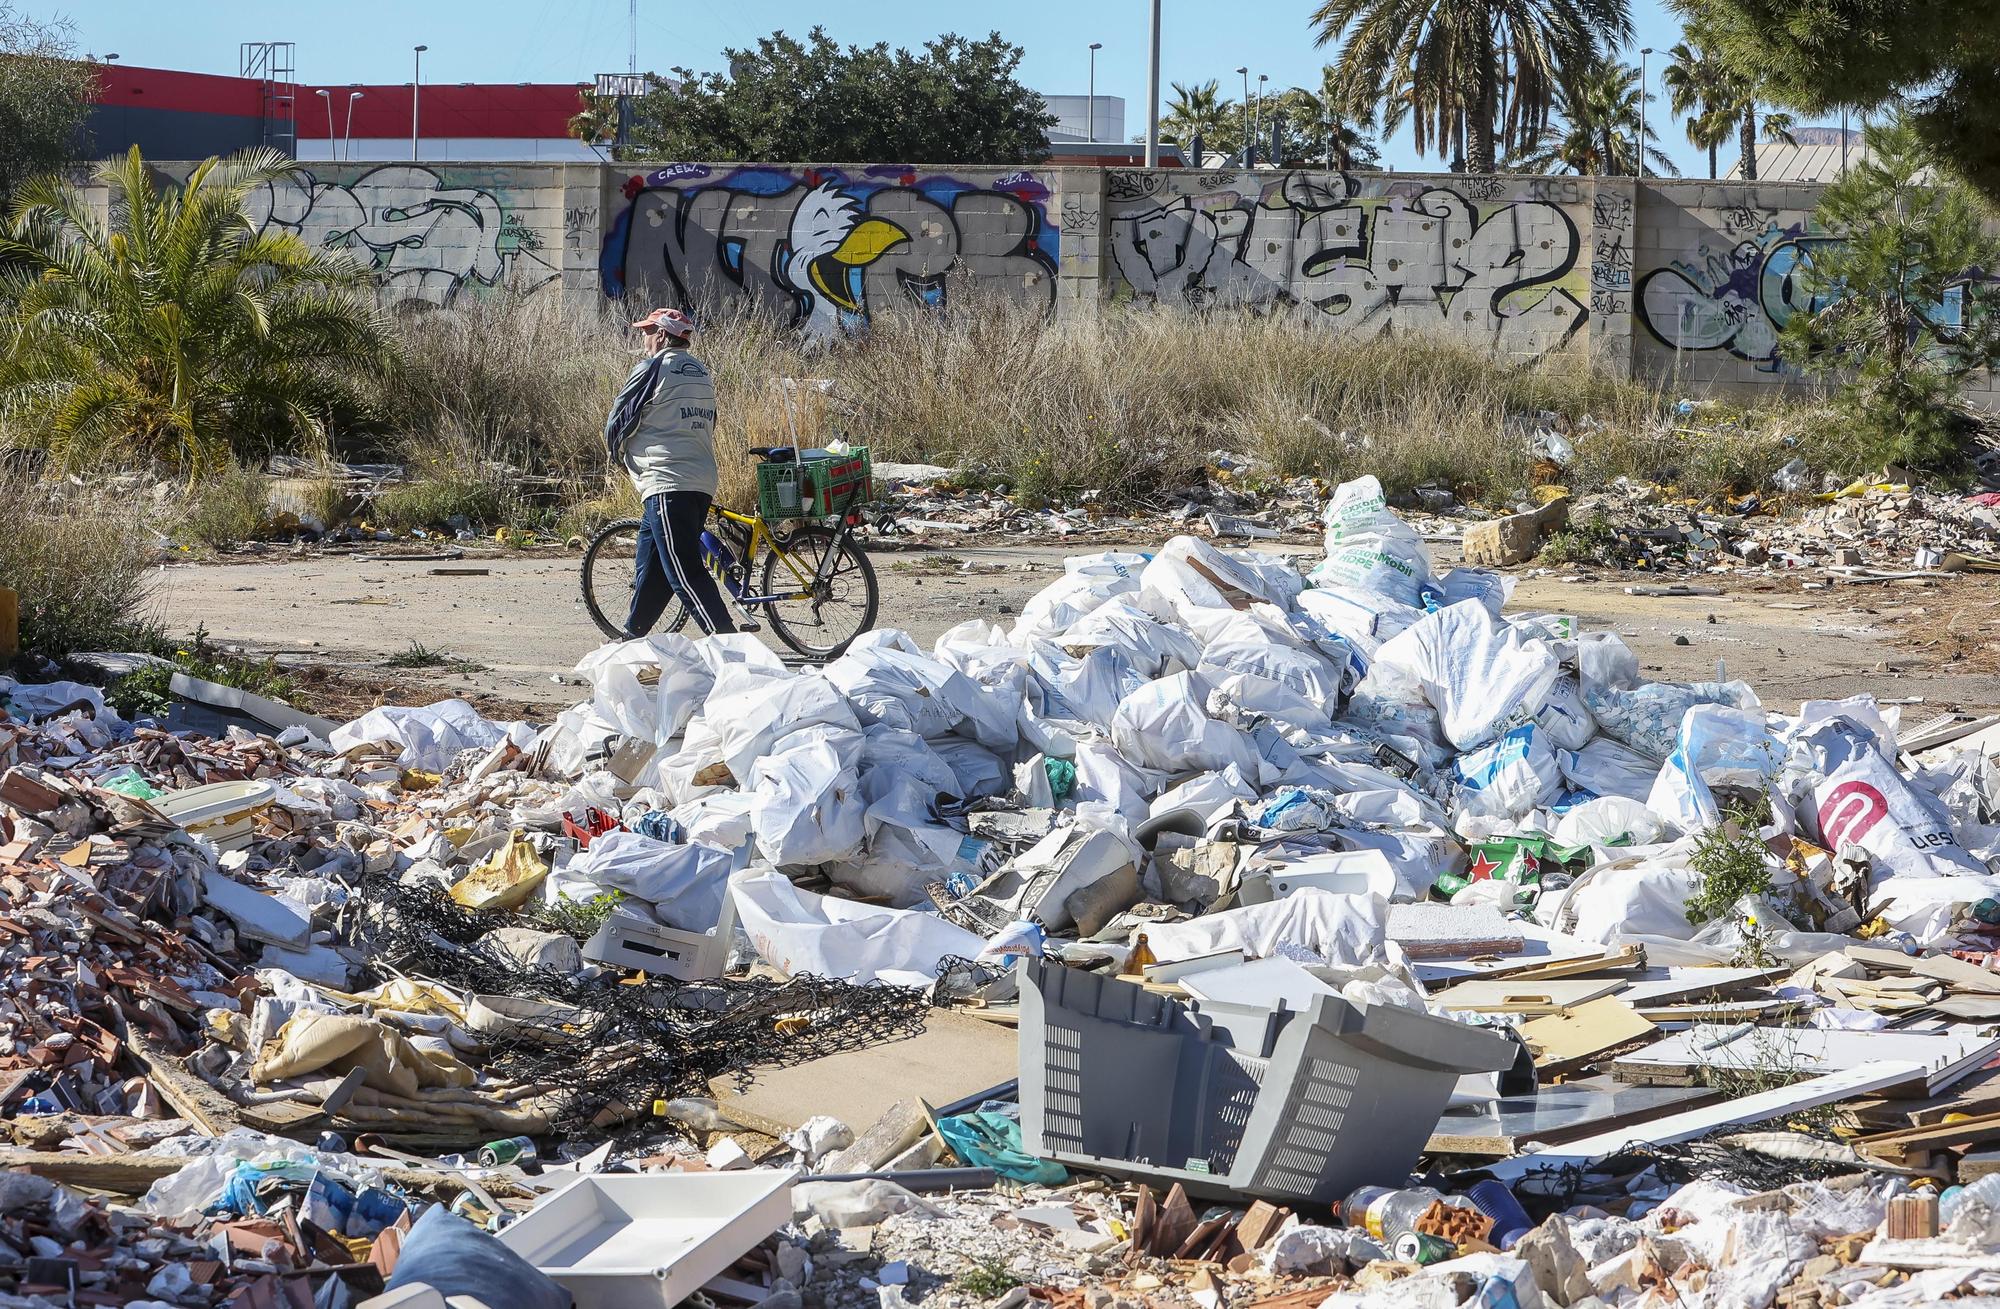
(825, 485)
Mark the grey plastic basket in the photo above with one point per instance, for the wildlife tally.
(1119, 1080)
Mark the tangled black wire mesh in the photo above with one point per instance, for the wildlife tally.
(612, 1047)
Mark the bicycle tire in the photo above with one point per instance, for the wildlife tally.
(810, 545)
(609, 573)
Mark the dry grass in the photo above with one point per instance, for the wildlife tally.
(78, 555)
(501, 407)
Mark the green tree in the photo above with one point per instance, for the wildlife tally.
(1940, 57)
(1602, 117)
(957, 102)
(1704, 91)
(595, 123)
(1313, 131)
(173, 329)
(45, 94)
(1902, 306)
(1200, 110)
(1480, 74)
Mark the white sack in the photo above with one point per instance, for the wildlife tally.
(1370, 549)
(798, 932)
(1606, 767)
(1564, 716)
(1364, 620)
(808, 804)
(1508, 779)
(651, 713)
(431, 736)
(890, 685)
(1165, 725)
(683, 884)
(749, 712)
(1087, 582)
(1344, 930)
(1611, 820)
(1483, 677)
(1086, 689)
(980, 773)
(1137, 625)
(1194, 575)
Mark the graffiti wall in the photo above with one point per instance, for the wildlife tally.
(429, 235)
(1722, 275)
(1500, 260)
(823, 248)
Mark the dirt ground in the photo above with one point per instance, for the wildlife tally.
(514, 632)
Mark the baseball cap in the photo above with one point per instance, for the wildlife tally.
(671, 321)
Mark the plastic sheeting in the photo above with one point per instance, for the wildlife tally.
(1346, 930)
(798, 932)
(431, 736)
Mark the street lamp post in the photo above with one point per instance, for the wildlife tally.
(331, 140)
(347, 149)
(1153, 92)
(416, 93)
(1644, 96)
(1090, 101)
(1245, 71)
(1258, 130)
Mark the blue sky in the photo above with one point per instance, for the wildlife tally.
(569, 40)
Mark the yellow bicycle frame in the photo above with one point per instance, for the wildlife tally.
(761, 537)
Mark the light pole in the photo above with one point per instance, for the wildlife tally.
(416, 93)
(1258, 129)
(1245, 71)
(347, 150)
(1153, 93)
(331, 140)
(1090, 105)
(1644, 96)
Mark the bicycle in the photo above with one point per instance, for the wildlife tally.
(818, 587)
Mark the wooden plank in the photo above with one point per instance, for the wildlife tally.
(1624, 957)
(1966, 1131)
(191, 1098)
(1575, 1035)
(1504, 996)
(1958, 974)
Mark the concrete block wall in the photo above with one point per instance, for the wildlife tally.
(1684, 282)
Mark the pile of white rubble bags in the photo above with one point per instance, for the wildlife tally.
(1010, 776)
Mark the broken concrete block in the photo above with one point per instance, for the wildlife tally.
(1551, 1256)
(1847, 557)
(1498, 542)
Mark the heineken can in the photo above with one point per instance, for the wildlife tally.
(513, 1150)
(1423, 1248)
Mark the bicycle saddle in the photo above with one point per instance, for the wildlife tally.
(775, 454)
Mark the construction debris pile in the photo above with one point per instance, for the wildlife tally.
(1215, 933)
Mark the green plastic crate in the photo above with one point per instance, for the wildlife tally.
(815, 488)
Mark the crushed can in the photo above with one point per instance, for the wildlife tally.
(513, 1150)
(1423, 1248)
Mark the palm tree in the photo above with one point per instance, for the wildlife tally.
(1482, 73)
(596, 122)
(1200, 110)
(1717, 101)
(1601, 121)
(1320, 134)
(1702, 90)
(174, 329)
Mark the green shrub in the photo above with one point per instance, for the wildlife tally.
(225, 508)
(79, 558)
(437, 498)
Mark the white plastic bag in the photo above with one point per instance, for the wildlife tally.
(1193, 575)
(1208, 794)
(1611, 820)
(1606, 767)
(1130, 623)
(1510, 778)
(1087, 582)
(981, 773)
(1110, 788)
(1086, 689)
(1564, 715)
(682, 884)
(798, 932)
(808, 806)
(1344, 930)
(431, 736)
(749, 712)
(652, 713)
(1483, 677)
(1861, 800)
(1362, 619)
(1165, 725)
(1370, 549)
(891, 685)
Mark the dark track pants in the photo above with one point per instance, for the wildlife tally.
(670, 563)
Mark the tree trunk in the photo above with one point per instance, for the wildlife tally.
(1711, 161)
(1480, 151)
(1749, 139)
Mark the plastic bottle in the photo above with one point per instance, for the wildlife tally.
(1982, 1194)
(1385, 1213)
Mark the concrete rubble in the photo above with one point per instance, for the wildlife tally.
(1345, 937)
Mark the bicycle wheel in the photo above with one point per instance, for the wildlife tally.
(610, 571)
(819, 619)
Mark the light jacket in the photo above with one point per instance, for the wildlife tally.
(662, 428)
